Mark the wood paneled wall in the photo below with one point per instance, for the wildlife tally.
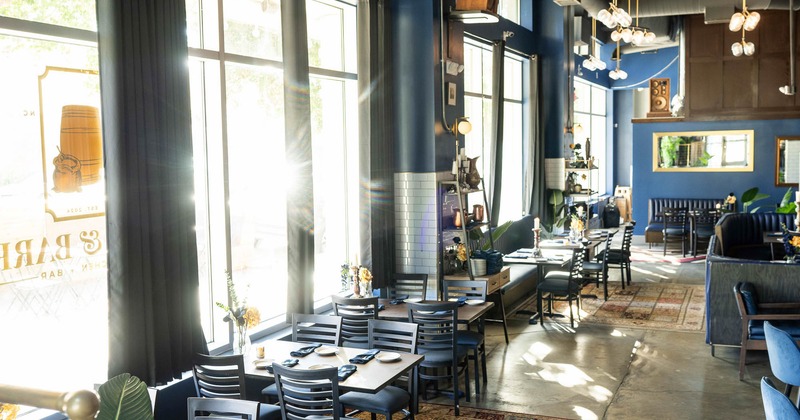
(720, 86)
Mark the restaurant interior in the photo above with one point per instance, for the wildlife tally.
(265, 181)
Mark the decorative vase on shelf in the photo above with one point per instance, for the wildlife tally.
(473, 177)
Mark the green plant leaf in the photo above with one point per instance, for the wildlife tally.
(124, 397)
(749, 195)
(496, 234)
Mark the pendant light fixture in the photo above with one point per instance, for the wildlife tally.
(618, 74)
(744, 21)
(591, 62)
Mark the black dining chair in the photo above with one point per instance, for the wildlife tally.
(308, 393)
(474, 340)
(444, 359)
(674, 229)
(309, 328)
(413, 285)
(598, 270)
(620, 257)
(221, 409)
(563, 286)
(702, 226)
(392, 336)
(355, 313)
(223, 377)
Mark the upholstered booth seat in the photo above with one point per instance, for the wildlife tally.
(655, 207)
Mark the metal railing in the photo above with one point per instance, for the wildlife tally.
(77, 405)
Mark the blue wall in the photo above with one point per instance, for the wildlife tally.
(648, 184)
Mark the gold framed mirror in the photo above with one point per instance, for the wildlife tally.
(787, 161)
(704, 151)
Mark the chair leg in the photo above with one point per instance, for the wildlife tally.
(628, 270)
(477, 372)
(742, 358)
(483, 363)
(503, 314)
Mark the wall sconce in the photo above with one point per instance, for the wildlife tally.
(453, 68)
(576, 130)
(460, 126)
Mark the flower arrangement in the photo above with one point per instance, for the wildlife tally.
(242, 316)
(791, 243)
(357, 276)
(730, 199)
(8, 411)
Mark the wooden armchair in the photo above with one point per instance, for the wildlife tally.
(754, 313)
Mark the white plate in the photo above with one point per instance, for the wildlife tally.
(426, 312)
(474, 302)
(453, 300)
(326, 350)
(387, 356)
(413, 300)
(262, 363)
(320, 366)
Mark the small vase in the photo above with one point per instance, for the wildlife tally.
(366, 288)
(575, 235)
(473, 177)
(241, 340)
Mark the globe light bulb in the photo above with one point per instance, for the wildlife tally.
(600, 64)
(649, 37)
(627, 35)
(622, 74)
(588, 64)
(464, 127)
(752, 20)
(638, 37)
(749, 48)
(737, 20)
(737, 49)
(613, 75)
(616, 36)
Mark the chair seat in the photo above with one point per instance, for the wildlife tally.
(270, 391)
(557, 274)
(675, 231)
(441, 357)
(469, 338)
(557, 286)
(704, 232)
(594, 267)
(756, 329)
(388, 400)
(269, 412)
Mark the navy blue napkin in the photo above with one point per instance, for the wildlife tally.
(364, 357)
(345, 371)
(399, 299)
(381, 307)
(287, 363)
(462, 301)
(305, 351)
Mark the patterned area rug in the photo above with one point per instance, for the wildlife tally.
(656, 254)
(662, 306)
(428, 411)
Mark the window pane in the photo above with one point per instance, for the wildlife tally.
(53, 273)
(202, 24)
(509, 9)
(598, 101)
(582, 97)
(253, 28)
(258, 181)
(511, 207)
(328, 26)
(513, 79)
(79, 14)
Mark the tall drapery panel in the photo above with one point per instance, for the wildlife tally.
(498, 94)
(300, 210)
(535, 182)
(154, 318)
(376, 157)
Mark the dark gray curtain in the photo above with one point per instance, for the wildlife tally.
(535, 182)
(376, 146)
(300, 207)
(154, 319)
(498, 92)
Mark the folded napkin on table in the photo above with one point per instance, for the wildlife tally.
(381, 306)
(345, 371)
(305, 351)
(462, 301)
(364, 357)
(399, 299)
(287, 363)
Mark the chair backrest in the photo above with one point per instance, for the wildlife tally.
(674, 217)
(705, 217)
(627, 237)
(221, 409)
(777, 406)
(219, 376)
(323, 329)
(355, 313)
(576, 264)
(784, 355)
(413, 285)
(746, 298)
(609, 237)
(303, 393)
(393, 335)
(470, 289)
(438, 322)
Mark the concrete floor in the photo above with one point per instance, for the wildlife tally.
(599, 372)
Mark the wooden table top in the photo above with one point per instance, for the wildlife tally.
(466, 313)
(370, 377)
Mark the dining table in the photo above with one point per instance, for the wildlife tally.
(551, 257)
(467, 314)
(369, 377)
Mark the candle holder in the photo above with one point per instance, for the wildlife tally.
(537, 252)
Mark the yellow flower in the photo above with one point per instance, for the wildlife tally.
(461, 252)
(252, 317)
(364, 274)
(8, 411)
(795, 241)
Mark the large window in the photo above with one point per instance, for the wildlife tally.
(53, 291)
(477, 106)
(590, 113)
(242, 174)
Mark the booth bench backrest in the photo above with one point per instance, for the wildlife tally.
(743, 229)
(656, 205)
